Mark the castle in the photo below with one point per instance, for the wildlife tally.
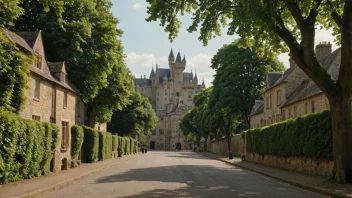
(170, 91)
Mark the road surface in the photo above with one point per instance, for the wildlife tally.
(177, 174)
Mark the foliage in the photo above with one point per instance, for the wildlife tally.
(138, 117)
(239, 79)
(14, 75)
(309, 136)
(90, 144)
(89, 46)
(26, 147)
(105, 145)
(77, 137)
(115, 142)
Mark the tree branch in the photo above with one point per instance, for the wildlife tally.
(335, 16)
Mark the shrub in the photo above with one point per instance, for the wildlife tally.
(115, 142)
(26, 147)
(102, 145)
(90, 144)
(308, 136)
(77, 137)
(108, 145)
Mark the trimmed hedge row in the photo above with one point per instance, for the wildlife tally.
(26, 147)
(99, 145)
(77, 137)
(307, 136)
(90, 144)
(115, 143)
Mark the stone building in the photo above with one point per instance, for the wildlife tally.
(51, 97)
(291, 93)
(170, 91)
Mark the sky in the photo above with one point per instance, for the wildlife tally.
(146, 43)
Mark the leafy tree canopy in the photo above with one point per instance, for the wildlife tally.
(239, 79)
(138, 117)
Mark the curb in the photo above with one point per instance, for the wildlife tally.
(65, 182)
(305, 187)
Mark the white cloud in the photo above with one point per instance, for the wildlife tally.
(141, 64)
(137, 5)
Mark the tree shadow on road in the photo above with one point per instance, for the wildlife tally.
(203, 181)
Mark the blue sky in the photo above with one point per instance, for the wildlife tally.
(147, 44)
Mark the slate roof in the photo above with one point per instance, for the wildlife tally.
(308, 88)
(27, 41)
(17, 39)
(178, 58)
(143, 81)
(258, 108)
(162, 72)
(187, 77)
(272, 77)
(282, 78)
(57, 67)
(30, 37)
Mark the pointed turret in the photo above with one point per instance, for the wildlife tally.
(184, 58)
(152, 73)
(178, 58)
(171, 56)
(191, 75)
(195, 77)
(203, 84)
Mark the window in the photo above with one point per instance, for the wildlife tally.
(38, 61)
(278, 97)
(271, 101)
(65, 100)
(295, 111)
(289, 113)
(65, 137)
(161, 132)
(283, 115)
(306, 107)
(313, 107)
(36, 89)
(36, 118)
(161, 118)
(165, 94)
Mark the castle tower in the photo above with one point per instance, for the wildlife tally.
(195, 79)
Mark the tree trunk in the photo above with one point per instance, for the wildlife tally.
(198, 138)
(342, 137)
(228, 140)
(91, 116)
(205, 146)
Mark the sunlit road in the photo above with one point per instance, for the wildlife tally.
(177, 174)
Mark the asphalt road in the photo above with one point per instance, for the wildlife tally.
(177, 174)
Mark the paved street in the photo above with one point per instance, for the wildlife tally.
(177, 174)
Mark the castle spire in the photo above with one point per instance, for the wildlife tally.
(184, 58)
(152, 72)
(195, 78)
(171, 56)
(203, 84)
(178, 58)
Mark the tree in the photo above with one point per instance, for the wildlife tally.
(138, 117)
(189, 128)
(239, 79)
(14, 75)
(282, 25)
(85, 37)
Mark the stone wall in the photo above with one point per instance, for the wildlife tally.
(297, 164)
(220, 147)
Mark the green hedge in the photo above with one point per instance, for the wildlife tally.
(105, 145)
(26, 147)
(90, 144)
(308, 136)
(115, 143)
(77, 137)
(109, 145)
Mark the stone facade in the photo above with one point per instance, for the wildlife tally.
(51, 97)
(220, 147)
(170, 91)
(292, 93)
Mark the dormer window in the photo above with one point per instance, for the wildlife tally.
(38, 61)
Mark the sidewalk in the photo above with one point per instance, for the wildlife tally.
(307, 182)
(44, 184)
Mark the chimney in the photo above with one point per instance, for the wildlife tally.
(322, 49)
